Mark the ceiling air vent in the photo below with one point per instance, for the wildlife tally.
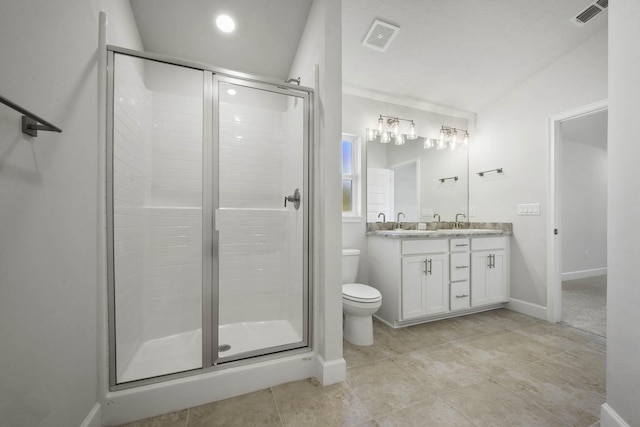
(380, 35)
(590, 12)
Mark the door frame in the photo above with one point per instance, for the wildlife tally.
(554, 241)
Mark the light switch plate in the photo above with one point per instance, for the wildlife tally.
(529, 209)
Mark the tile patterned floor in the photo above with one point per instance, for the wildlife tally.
(497, 368)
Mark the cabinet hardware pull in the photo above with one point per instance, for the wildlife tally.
(462, 266)
(489, 261)
(426, 266)
(430, 267)
(462, 244)
(462, 296)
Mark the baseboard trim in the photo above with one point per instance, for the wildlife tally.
(581, 274)
(94, 418)
(610, 418)
(331, 372)
(527, 308)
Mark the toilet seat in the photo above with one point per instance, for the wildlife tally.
(358, 292)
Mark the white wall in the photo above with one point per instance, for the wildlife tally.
(512, 134)
(623, 292)
(48, 214)
(321, 45)
(583, 208)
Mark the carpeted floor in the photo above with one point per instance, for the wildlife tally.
(584, 304)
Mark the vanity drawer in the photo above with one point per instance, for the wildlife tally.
(459, 263)
(484, 243)
(459, 245)
(460, 296)
(412, 246)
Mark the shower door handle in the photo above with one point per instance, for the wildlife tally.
(295, 198)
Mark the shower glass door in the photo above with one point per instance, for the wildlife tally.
(261, 218)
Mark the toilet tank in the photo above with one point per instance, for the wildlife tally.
(350, 258)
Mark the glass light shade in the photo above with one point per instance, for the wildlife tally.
(465, 140)
(385, 137)
(412, 131)
(441, 141)
(399, 139)
(371, 135)
(396, 128)
(380, 124)
(429, 143)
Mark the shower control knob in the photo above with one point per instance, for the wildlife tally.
(295, 199)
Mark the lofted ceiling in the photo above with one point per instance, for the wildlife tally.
(458, 53)
(462, 54)
(264, 43)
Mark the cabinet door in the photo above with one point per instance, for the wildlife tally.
(425, 282)
(437, 284)
(413, 290)
(488, 277)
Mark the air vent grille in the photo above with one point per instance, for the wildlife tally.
(590, 12)
(380, 35)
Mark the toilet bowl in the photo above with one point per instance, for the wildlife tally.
(359, 302)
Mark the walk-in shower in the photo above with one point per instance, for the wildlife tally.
(209, 253)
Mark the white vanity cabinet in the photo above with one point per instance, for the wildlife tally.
(489, 270)
(428, 279)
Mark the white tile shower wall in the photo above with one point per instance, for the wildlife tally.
(173, 256)
(131, 184)
(253, 258)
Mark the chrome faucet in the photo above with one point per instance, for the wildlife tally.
(398, 221)
(434, 219)
(384, 218)
(457, 223)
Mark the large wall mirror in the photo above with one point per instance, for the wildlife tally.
(408, 178)
(416, 181)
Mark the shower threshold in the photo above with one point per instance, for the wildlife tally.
(183, 352)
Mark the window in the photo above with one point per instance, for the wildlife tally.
(350, 177)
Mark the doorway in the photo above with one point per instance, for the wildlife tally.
(577, 250)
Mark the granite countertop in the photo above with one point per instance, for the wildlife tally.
(438, 230)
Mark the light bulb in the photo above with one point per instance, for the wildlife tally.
(380, 123)
(396, 128)
(465, 140)
(412, 131)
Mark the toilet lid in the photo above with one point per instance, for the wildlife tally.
(360, 292)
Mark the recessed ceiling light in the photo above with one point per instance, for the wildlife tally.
(231, 91)
(225, 23)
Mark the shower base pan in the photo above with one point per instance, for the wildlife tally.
(183, 352)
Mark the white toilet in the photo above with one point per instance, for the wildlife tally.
(359, 301)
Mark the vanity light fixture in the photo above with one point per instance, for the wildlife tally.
(449, 137)
(392, 123)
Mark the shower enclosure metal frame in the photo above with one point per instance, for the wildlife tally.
(210, 359)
